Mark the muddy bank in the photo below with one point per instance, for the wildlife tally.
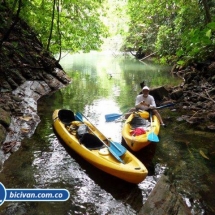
(195, 97)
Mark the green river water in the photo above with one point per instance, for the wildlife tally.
(104, 83)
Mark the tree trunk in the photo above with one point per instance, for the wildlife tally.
(51, 28)
(16, 19)
(207, 11)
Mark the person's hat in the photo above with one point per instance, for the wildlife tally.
(145, 88)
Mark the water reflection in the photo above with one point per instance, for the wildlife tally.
(44, 161)
(91, 79)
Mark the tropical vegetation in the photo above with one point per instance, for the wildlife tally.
(178, 31)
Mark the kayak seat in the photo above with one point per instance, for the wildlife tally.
(66, 116)
(91, 141)
(137, 121)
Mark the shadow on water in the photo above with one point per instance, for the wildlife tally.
(118, 188)
(145, 155)
(186, 156)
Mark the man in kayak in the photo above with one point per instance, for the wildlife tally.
(146, 102)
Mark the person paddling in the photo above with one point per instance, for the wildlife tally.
(147, 102)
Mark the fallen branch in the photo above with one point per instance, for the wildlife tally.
(209, 96)
(148, 56)
(204, 97)
(194, 114)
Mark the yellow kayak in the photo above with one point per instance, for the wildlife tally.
(139, 136)
(95, 148)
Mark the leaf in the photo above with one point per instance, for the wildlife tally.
(211, 25)
(180, 52)
(203, 154)
(26, 118)
(181, 62)
(208, 33)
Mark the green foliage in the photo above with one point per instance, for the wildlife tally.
(176, 30)
(197, 45)
(79, 26)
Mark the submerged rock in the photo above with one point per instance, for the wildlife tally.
(164, 200)
(4, 117)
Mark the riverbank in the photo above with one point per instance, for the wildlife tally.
(27, 72)
(195, 97)
(22, 123)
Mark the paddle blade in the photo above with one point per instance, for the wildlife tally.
(153, 137)
(112, 117)
(113, 152)
(78, 117)
(118, 148)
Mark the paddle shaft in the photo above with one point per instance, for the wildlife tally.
(94, 132)
(111, 151)
(100, 132)
(114, 116)
(160, 107)
(150, 115)
(152, 136)
(167, 105)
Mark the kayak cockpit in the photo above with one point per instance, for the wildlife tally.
(89, 140)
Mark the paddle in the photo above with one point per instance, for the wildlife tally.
(152, 136)
(113, 116)
(115, 149)
(121, 149)
(167, 105)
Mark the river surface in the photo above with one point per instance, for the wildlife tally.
(104, 83)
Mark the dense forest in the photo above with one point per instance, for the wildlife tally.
(174, 32)
(178, 31)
